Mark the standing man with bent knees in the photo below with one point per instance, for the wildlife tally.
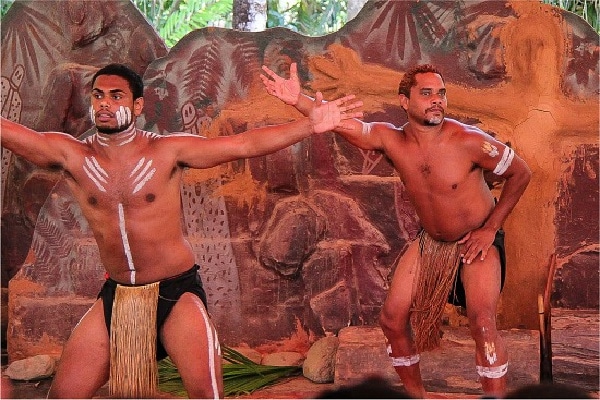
(459, 254)
(127, 183)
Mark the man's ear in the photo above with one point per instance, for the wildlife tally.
(403, 101)
(138, 106)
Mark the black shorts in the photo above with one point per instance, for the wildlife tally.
(457, 296)
(169, 291)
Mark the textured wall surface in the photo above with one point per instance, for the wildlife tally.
(300, 243)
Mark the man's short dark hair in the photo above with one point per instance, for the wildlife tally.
(409, 79)
(136, 85)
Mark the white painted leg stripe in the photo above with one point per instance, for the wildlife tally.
(213, 344)
(492, 372)
(406, 361)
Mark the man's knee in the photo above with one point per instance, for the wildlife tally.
(394, 325)
(482, 327)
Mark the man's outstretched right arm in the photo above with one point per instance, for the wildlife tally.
(357, 132)
(46, 150)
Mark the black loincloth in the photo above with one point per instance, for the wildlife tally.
(170, 290)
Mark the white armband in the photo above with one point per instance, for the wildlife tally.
(505, 162)
(366, 128)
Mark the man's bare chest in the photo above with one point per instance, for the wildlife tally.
(137, 179)
(437, 168)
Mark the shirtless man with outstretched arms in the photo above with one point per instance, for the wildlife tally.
(441, 162)
(127, 183)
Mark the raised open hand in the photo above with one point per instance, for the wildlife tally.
(326, 116)
(286, 90)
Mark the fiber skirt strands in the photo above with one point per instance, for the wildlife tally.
(435, 277)
(133, 365)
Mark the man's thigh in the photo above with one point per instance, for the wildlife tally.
(401, 290)
(84, 362)
(482, 282)
(191, 341)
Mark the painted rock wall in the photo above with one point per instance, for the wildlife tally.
(300, 243)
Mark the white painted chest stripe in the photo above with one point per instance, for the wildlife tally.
(95, 172)
(126, 247)
(144, 175)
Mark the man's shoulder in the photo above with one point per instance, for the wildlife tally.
(386, 127)
(460, 128)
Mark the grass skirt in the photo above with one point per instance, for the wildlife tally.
(133, 365)
(435, 277)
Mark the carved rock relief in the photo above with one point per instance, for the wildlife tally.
(302, 242)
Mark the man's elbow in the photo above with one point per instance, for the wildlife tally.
(524, 176)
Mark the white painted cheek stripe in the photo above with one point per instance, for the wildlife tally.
(126, 244)
(492, 372)
(213, 347)
(95, 172)
(406, 361)
(505, 162)
(123, 115)
(93, 115)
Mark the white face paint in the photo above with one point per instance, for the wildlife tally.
(123, 116)
(93, 115)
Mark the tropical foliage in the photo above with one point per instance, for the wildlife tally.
(587, 9)
(175, 18)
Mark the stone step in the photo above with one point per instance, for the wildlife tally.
(448, 369)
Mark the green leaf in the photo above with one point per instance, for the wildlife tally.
(241, 376)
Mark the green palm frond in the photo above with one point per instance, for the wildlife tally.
(241, 376)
